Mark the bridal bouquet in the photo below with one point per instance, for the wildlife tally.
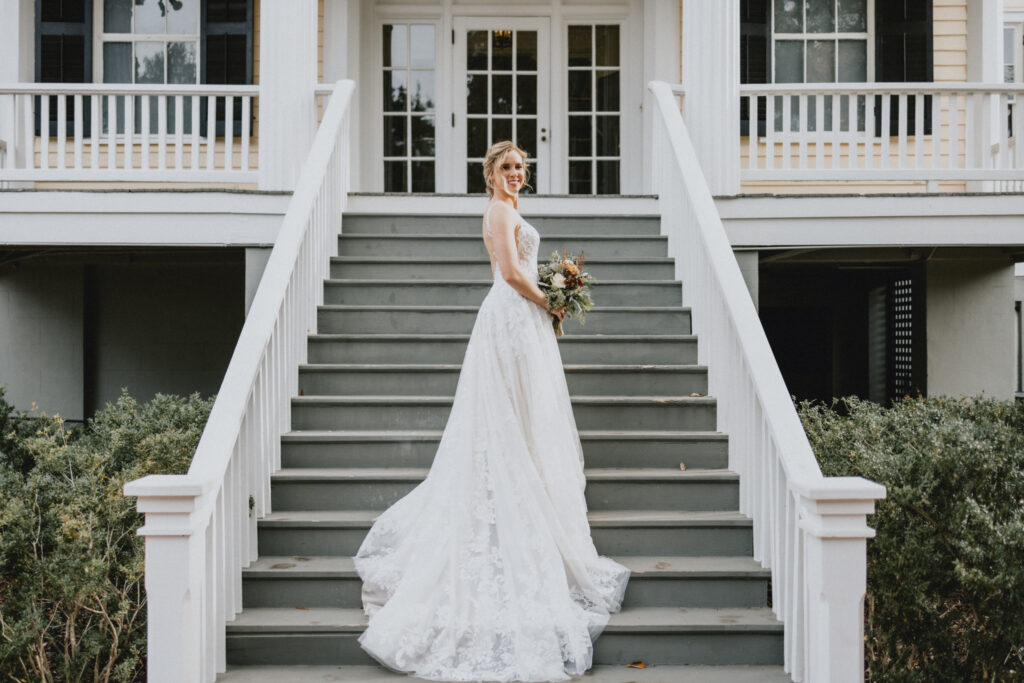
(566, 284)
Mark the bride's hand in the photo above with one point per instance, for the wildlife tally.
(559, 313)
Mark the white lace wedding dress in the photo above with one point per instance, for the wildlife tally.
(486, 571)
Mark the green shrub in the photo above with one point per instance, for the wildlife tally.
(72, 600)
(946, 569)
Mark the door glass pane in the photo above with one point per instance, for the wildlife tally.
(607, 90)
(149, 16)
(395, 41)
(579, 45)
(395, 176)
(421, 98)
(181, 63)
(117, 16)
(501, 94)
(476, 137)
(579, 90)
(421, 40)
(789, 61)
(501, 50)
(394, 136)
(526, 50)
(501, 129)
(475, 178)
(182, 16)
(789, 16)
(423, 136)
(526, 134)
(422, 176)
(607, 136)
(149, 62)
(394, 90)
(607, 45)
(608, 177)
(853, 61)
(526, 94)
(579, 136)
(821, 16)
(821, 61)
(476, 50)
(853, 16)
(580, 177)
(476, 94)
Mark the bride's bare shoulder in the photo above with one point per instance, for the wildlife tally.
(501, 216)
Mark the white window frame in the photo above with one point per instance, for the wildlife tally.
(869, 36)
(100, 37)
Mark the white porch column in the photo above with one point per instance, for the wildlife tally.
(985, 65)
(835, 529)
(175, 556)
(661, 63)
(287, 79)
(711, 77)
(17, 65)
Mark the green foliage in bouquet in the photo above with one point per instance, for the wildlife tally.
(946, 569)
(72, 600)
(566, 285)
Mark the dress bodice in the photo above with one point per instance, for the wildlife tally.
(527, 244)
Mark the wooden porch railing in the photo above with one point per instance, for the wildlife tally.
(810, 530)
(200, 527)
(111, 132)
(884, 132)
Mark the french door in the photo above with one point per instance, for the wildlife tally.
(504, 66)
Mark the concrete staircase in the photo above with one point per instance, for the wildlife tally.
(376, 394)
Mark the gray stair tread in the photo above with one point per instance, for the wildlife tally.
(548, 236)
(655, 567)
(417, 473)
(419, 337)
(598, 674)
(476, 281)
(455, 367)
(445, 308)
(328, 435)
(637, 619)
(441, 400)
(483, 259)
(598, 518)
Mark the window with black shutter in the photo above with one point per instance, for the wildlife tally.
(755, 55)
(63, 50)
(227, 50)
(903, 54)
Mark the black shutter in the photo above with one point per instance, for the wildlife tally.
(227, 52)
(903, 54)
(755, 56)
(63, 51)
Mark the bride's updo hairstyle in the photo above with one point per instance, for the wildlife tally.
(494, 156)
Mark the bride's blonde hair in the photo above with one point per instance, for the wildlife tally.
(495, 154)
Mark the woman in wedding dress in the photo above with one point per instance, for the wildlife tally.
(486, 571)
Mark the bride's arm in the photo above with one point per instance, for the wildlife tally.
(503, 247)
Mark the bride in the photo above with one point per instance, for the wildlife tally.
(486, 571)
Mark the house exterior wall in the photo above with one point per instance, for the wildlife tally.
(41, 350)
(970, 324)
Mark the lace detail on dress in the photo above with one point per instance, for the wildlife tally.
(486, 570)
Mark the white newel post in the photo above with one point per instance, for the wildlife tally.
(985, 65)
(711, 79)
(175, 556)
(288, 76)
(17, 65)
(834, 523)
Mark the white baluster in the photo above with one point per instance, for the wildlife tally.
(246, 106)
(901, 131)
(179, 133)
(78, 132)
(211, 131)
(112, 126)
(196, 145)
(229, 132)
(819, 130)
(44, 132)
(161, 132)
(129, 132)
(95, 131)
(919, 131)
(144, 141)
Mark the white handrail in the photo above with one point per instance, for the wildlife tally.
(810, 530)
(909, 132)
(201, 527)
(128, 132)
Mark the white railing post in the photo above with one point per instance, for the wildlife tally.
(809, 529)
(175, 560)
(835, 531)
